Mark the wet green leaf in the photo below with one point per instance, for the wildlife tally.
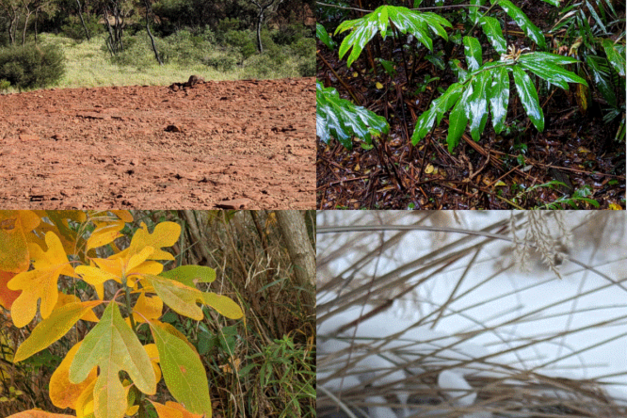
(458, 121)
(498, 94)
(478, 105)
(616, 55)
(523, 21)
(492, 29)
(323, 35)
(599, 67)
(529, 97)
(439, 106)
(405, 20)
(341, 119)
(553, 73)
(472, 49)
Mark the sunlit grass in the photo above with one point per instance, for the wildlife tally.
(88, 65)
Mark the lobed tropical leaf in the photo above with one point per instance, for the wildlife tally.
(341, 119)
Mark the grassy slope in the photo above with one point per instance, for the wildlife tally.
(87, 65)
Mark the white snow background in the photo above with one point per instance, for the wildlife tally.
(599, 352)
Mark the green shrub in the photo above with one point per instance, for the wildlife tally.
(304, 48)
(224, 62)
(242, 41)
(4, 85)
(307, 68)
(259, 66)
(73, 28)
(289, 34)
(138, 52)
(29, 66)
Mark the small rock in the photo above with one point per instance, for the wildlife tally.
(233, 204)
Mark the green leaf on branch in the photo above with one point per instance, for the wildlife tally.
(341, 119)
(190, 275)
(113, 346)
(438, 108)
(52, 328)
(183, 371)
(615, 55)
(458, 121)
(472, 49)
(478, 105)
(523, 22)
(499, 97)
(547, 67)
(323, 35)
(529, 97)
(492, 29)
(418, 24)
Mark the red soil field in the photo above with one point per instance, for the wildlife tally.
(229, 144)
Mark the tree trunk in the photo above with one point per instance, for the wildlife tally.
(80, 14)
(152, 39)
(259, 23)
(25, 26)
(294, 231)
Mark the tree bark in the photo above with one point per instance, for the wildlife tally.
(80, 14)
(152, 39)
(294, 231)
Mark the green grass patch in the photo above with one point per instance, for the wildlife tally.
(89, 64)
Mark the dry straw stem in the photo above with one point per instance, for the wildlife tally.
(474, 278)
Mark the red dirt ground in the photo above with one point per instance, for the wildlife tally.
(231, 144)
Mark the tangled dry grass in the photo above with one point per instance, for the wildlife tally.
(552, 340)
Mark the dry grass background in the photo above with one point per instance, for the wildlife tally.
(436, 271)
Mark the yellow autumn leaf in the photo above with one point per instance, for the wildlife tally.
(379, 86)
(429, 169)
(13, 248)
(85, 402)
(223, 305)
(148, 307)
(40, 283)
(52, 328)
(153, 354)
(64, 299)
(113, 346)
(63, 393)
(182, 299)
(500, 183)
(34, 413)
(165, 234)
(614, 206)
(105, 233)
(125, 215)
(173, 410)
